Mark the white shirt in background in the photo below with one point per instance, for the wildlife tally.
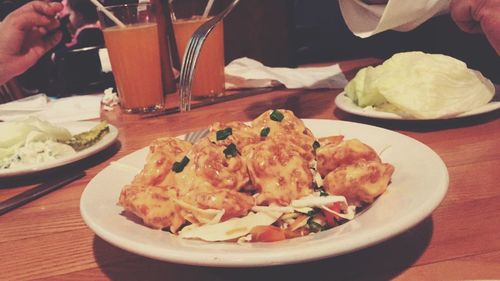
(402, 15)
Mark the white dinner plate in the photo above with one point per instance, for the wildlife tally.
(347, 105)
(74, 128)
(419, 184)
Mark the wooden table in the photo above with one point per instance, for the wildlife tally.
(47, 239)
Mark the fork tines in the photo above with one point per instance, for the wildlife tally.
(196, 135)
(191, 56)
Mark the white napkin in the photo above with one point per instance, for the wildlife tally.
(104, 58)
(31, 103)
(66, 109)
(249, 73)
(366, 20)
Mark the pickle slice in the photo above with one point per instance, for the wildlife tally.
(86, 139)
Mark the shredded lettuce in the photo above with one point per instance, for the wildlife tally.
(362, 90)
(31, 141)
(16, 133)
(421, 86)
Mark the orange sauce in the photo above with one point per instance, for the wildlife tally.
(208, 78)
(135, 60)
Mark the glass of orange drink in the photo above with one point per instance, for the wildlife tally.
(208, 79)
(134, 53)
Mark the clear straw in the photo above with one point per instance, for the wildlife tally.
(208, 8)
(107, 13)
(172, 14)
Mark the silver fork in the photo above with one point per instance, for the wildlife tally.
(191, 56)
(196, 135)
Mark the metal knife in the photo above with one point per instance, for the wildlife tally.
(37, 192)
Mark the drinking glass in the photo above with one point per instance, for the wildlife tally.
(134, 53)
(208, 79)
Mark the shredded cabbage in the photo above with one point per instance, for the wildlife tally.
(420, 85)
(31, 141)
(16, 133)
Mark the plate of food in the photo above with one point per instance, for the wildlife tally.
(34, 145)
(276, 190)
(418, 86)
(343, 102)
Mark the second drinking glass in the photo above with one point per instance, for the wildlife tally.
(187, 16)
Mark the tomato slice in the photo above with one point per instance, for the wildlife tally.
(330, 218)
(267, 233)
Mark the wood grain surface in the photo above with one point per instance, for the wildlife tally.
(48, 240)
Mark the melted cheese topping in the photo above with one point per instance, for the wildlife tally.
(163, 152)
(291, 129)
(332, 155)
(219, 197)
(361, 182)
(278, 171)
(153, 204)
(211, 164)
(242, 134)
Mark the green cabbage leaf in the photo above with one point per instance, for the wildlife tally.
(16, 133)
(421, 86)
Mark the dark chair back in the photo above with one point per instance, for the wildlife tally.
(11, 91)
(79, 71)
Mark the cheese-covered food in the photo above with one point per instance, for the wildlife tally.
(264, 181)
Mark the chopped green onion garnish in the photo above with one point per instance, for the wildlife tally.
(231, 151)
(321, 190)
(277, 116)
(313, 212)
(315, 186)
(316, 145)
(314, 226)
(265, 132)
(179, 166)
(223, 134)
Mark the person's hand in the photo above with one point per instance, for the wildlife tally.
(478, 16)
(27, 34)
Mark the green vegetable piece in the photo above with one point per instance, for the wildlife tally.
(314, 226)
(313, 212)
(321, 190)
(363, 91)
(179, 166)
(86, 139)
(323, 193)
(265, 132)
(406, 85)
(315, 145)
(277, 116)
(231, 151)
(223, 134)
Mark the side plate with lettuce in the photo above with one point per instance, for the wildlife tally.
(33, 144)
(416, 85)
